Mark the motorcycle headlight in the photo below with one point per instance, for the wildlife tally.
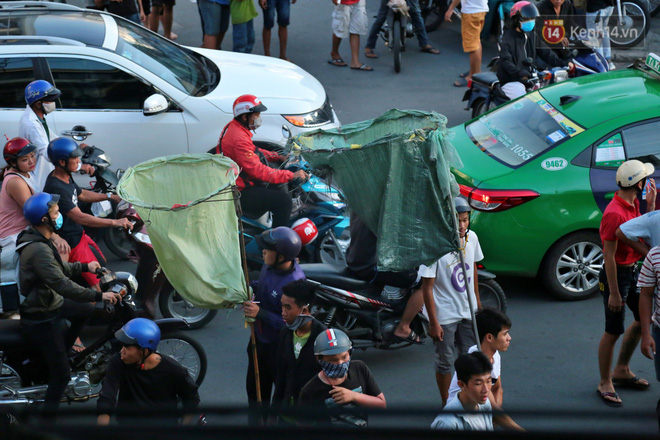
(316, 118)
(132, 282)
(561, 75)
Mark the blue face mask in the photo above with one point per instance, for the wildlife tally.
(59, 221)
(527, 26)
(335, 371)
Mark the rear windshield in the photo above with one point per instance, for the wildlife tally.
(519, 131)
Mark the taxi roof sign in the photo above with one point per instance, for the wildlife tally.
(653, 62)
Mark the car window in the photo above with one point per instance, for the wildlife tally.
(642, 142)
(15, 74)
(519, 131)
(610, 152)
(88, 84)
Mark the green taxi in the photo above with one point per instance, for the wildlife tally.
(540, 170)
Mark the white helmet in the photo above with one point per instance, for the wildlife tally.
(632, 171)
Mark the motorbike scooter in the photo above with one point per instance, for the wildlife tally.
(369, 313)
(24, 373)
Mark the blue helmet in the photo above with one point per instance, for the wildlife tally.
(282, 240)
(63, 149)
(37, 206)
(40, 90)
(141, 332)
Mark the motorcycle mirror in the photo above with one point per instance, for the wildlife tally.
(528, 62)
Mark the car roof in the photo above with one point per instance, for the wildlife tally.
(606, 96)
(84, 26)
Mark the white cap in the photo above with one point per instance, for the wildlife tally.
(632, 171)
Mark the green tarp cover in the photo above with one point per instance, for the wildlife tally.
(187, 204)
(395, 173)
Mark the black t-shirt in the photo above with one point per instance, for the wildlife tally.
(128, 387)
(316, 393)
(68, 192)
(123, 8)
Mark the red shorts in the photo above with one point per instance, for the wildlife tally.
(83, 254)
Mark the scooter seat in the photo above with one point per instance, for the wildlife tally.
(10, 334)
(486, 79)
(334, 276)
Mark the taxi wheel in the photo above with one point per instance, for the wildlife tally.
(571, 267)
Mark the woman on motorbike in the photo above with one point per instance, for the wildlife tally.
(518, 43)
(17, 186)
(257, 196)
(50, 295)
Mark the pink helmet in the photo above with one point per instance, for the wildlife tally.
(525, 10)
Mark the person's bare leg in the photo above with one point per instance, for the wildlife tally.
(167, 20)
(414, 305)
(265, 36)
(334, 53)
(354, 39)
(283, 34)
(221, 36)
(605, 354)
(628, 346)
(210, 42)
(443, 381)
(154, 18)
(475, 63)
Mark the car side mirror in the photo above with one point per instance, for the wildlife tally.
(155, 104)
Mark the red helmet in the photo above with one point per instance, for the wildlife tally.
(17, 147)
(525, 10)
(306, 229)
(247, 104)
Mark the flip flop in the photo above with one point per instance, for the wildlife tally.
(631, 382)
(464, 74)
(412, 338)
(604, 398)
(430, 49)
(370, 54)
(364, 68)
(461, 83)
(337, 62)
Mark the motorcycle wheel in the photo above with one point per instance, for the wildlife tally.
(9, 378)
(480, 107)
(186, 351)
(433, 13)
(116, 240)
(327, 252)
(173, 305)
(396, 45)
(492, 295)
(638, 12)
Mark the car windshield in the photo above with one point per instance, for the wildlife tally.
(519, 131)
(184, 69)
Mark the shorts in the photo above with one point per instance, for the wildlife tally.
(283, 9)
(458, 338)
(627, 281)
(157, 3)
(350, 19)
(215, 17)
(146, 6)
(82, 253)
(471, 26)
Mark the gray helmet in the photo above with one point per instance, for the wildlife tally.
(332, 341)
(462, 205)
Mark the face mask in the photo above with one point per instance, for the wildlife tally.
(335, 371)
(527, 26)
(49, 107)
(79, 166)
(299, 322)
(59, 221)
(256, 123)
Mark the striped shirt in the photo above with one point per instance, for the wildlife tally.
(649, 276)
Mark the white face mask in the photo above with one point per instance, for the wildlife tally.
(256, 123)
(79, 167)
(49, 107)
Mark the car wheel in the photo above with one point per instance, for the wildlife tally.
(571, 267)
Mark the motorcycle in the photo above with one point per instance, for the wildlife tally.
(23, 371)
(396, 29)
(486, 93)
(433, 13)
(368, 313)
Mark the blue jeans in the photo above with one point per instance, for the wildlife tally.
(415, 17)
(283, 9)
(243, 35)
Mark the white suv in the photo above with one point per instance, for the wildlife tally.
(140, 95)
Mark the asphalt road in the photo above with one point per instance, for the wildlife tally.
(551, 365)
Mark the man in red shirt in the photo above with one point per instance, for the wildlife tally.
(618, 280)
(257, 181)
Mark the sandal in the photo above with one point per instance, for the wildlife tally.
(631, 382)
(610, 402)
(461, 83)
(363, 67)
(337, 62)
(430, 49)
(412, 338)
(369, 53)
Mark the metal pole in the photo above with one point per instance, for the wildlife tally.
(253, 341)
(468, 289)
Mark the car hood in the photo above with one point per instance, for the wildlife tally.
(283, 87)
(478, 166)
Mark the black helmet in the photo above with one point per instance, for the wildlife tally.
(462, 205)
(282, 240)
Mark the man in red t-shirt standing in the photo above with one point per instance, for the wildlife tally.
(618, 280)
